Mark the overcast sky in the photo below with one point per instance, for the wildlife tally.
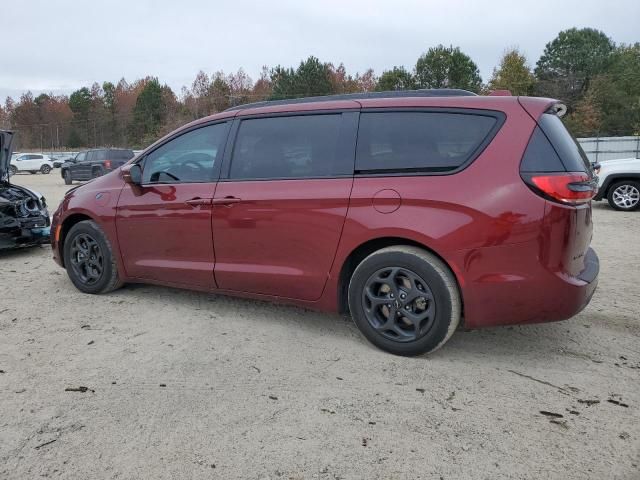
(62, 45)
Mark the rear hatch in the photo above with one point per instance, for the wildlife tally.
(555, 167)
(116, 158)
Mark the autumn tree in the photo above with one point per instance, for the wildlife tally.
(512, 74)
(447, 67)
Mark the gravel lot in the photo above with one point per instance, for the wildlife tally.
(191, 385)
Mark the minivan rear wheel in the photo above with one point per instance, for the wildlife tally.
(404, 300)
(89, 259)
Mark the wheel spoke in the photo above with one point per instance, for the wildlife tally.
(398, 304)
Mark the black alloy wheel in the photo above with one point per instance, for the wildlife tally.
(398, 304)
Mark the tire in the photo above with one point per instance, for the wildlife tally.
(98, 252)
(96, 172)
(13, 170)
(624, 195)
(46, 169)
(440, 301)
(67, 177)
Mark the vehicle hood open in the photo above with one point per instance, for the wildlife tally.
(6, 141)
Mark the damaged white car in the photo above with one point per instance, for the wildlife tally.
(24, 219)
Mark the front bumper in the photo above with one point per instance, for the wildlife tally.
(24, 237)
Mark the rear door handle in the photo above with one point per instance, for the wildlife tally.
(194, 202)
(226, 201)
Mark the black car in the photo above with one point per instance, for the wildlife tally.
(24, 219)
(94, 163)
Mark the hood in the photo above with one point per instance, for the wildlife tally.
(6, 139)
(618, 161)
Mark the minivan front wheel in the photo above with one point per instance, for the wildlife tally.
(405, 300)
(67, 177)
(624, 195)
(89, 259)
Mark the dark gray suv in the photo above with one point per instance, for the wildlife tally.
(94, 163)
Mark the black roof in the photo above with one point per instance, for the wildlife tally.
(434, 92)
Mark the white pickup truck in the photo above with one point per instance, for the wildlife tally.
(619, 183)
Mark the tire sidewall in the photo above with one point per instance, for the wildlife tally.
(613, 189)
(89, 228)
(443, 302)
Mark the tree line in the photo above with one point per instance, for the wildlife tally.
(597, 79)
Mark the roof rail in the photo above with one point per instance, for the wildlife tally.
(433, 92)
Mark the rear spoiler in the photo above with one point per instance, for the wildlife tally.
(536, 106)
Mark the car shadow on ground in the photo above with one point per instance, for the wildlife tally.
(522, 342)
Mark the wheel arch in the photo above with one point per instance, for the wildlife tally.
(615, 178)
(363, 250)
(66, 225)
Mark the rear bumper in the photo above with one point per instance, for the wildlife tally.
(524, 291)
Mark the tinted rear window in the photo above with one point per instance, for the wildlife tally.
(569, 151)
(120, 154)
(288, 147)
(419, 141)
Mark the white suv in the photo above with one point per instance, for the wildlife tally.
(30, 162)
(619, 183)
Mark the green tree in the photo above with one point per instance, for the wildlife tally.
(447, 67)
(398, 78)
(148, 113)
(312, 77)
(513, 74)
(80, 103)
(221, 92)
(614, 96)
(570, 61)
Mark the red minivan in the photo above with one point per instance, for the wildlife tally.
(418, 212)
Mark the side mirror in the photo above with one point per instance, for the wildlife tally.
(132, 174)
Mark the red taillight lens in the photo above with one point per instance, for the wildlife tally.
(107, 164)
(569, 188)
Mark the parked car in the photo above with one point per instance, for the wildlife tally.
(418, 212)
(94, 163)
(30, 162)
(24, 219)
(619, 183)
(58, 160)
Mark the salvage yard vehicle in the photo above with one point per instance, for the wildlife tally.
(619, 183)
(24, 219)
(418, 212)
(94, 163)
(30, 162)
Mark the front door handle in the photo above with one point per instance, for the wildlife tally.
(194, 202)
(226, 201)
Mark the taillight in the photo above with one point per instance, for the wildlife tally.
(107, 164)
(571, 188)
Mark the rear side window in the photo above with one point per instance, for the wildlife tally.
(540, 155)
(420, 141)
(100, 155)
(120, 154)
(288, 147)
(570, 152)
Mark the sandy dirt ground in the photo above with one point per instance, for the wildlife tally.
(191, 385)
